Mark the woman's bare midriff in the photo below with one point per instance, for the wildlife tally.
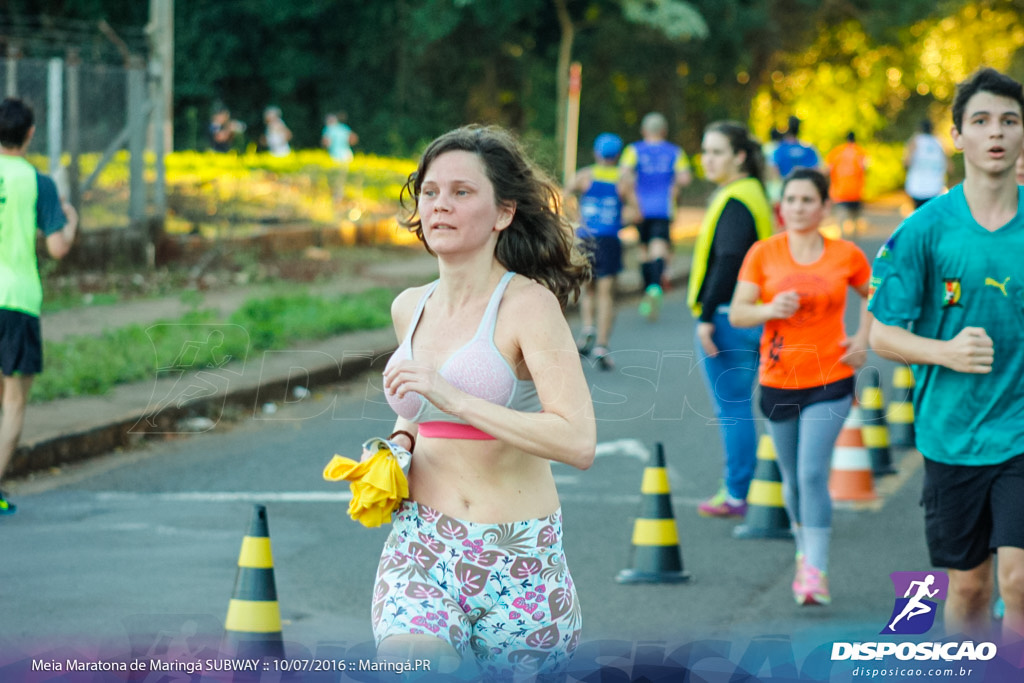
(487, 482)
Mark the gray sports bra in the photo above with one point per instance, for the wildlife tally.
(478, 368)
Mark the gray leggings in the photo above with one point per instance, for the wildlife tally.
(803, 447)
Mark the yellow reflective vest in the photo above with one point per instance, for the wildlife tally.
(751, 193)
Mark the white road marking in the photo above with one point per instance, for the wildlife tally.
(342, 496)
(631, 448)
(230, 496)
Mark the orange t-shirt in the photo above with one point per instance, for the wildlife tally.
(846, 177)
(803, 351)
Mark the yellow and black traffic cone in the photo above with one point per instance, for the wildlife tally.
(875, 429)
(253, 624)
(901, 408)
(656, 554)
(766, 510)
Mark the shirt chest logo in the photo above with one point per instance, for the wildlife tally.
(1001, 286)
(951, 295)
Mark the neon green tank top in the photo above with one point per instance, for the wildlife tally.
(20, 288)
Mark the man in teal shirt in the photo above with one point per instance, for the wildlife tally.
(948, 298)
(29, 203)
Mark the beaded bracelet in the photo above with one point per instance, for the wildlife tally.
(402, 432)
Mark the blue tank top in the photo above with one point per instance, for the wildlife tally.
(655, 173)
(789, 155)
(600, 205)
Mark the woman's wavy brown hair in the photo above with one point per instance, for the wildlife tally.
(540, 242)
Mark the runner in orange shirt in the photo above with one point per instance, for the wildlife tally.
(846, 165)
(807, 360)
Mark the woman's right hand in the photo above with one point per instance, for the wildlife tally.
(410, 376)
(705, 334)
(783, 305)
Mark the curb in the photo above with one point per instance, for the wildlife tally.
(130, 413)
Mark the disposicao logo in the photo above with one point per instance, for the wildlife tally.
(914, 612)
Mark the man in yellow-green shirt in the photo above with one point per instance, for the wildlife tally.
(29, 203)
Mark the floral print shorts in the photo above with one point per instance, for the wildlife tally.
(500, 593)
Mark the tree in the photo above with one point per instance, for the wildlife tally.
(675, 19)
(405, 70)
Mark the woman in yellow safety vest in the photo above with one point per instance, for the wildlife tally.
(737, 217)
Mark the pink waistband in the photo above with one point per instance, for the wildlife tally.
(452, 430)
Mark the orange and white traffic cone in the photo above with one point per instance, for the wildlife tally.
(851, 478)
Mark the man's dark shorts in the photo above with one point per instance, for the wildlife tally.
(21, 343)
(653, 229)
(605, 254)
(970, 511)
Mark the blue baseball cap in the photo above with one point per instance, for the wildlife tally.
(608, 145)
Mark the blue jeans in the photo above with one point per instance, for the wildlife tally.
(729, 377)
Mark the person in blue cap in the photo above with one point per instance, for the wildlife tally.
(606, 202)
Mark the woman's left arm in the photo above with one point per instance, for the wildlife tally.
(566, 430)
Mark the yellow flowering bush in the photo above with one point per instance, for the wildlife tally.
(215, 193)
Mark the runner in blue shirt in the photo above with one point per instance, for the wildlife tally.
(606, 202)
(948, 298)
(657, 169)
(791, 152)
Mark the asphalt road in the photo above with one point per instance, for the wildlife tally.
(136, 552)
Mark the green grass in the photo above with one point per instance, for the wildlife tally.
(276, 322)
(83, 366)
(63, 301)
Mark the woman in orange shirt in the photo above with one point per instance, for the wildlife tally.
(807, 360)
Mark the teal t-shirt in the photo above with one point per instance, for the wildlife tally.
(339, 145)
(939, 273)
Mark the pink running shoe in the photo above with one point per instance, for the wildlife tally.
(815, 587)
(798, 579)
(719, 505)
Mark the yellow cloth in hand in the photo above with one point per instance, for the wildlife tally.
(378, 483)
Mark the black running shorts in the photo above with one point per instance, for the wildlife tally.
(21, 344)
(970, 511)
(605, 254)
(654, 229)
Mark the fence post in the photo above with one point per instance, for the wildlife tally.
(74, 120)
(54, 112)
(137, 143)
(13, 55)
(159, 140)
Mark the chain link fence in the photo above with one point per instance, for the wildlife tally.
(94, 124)
(101, 113)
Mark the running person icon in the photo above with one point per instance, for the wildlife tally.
(915, 606)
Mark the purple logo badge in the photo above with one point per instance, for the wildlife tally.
(915, 607)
